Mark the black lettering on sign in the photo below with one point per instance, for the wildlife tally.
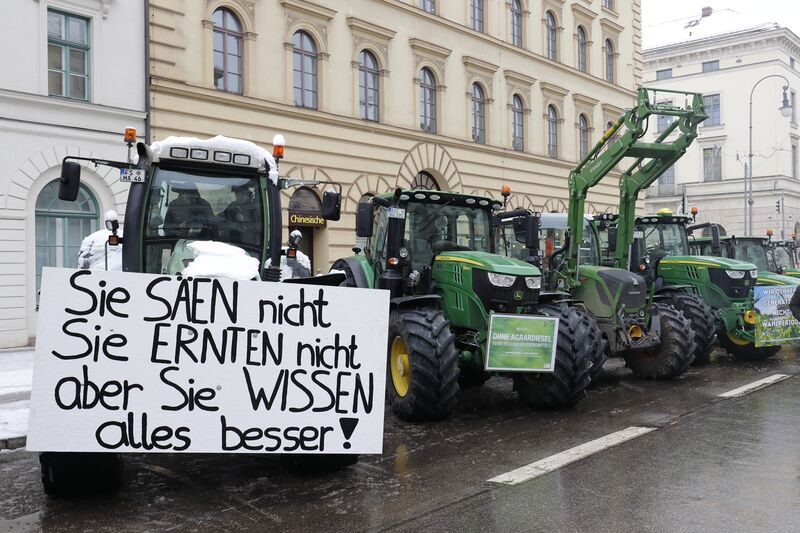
(93, 345)
(191, 398)
(297, 314)
(336, 355)
(289, 439)
(116, 434)
(193, 301)
(76, 393)
(107, 301)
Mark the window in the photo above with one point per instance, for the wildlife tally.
(478, 114)
(710, 66)
(711, 103)
(608, 4)
(609, 61)
(794, 161)
(516, 23)
(517, 123)
(67, 55)
(552, 132)
(712, 164)
(61, 226)
(428, 5)
(664, 120)
(476, 14)
(550, 33)
(583, 135)
(666, 182)
(305, 70)
(425, 180)
(427, 101)
(581, 49)
(227, 51)
(368, 91)
(664, 74)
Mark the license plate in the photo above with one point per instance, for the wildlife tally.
(397, 212)
(131, 175)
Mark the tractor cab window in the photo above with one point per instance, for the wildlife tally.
(752, 251)
(184, 207)
(664, 239)
(551, 239)
(782, 258)
(376, 247)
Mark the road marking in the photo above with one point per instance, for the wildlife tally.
(760, 384)
(554, 462)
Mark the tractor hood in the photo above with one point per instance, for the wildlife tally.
(490, 262)
(771, 278)
(707, 261)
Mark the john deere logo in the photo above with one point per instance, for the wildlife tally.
(518, 295)
(746, 282)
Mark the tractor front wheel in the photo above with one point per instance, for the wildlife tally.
(422, 365)
(66, 473)
(673, 356)
(746, 350)
(701, 316)
(566, 385)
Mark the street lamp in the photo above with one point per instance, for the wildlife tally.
(786, 111)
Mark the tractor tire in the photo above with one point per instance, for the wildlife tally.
(66, 473)
(350, 280)
(422, 369)
(471, 376)
(747, 352)
(701, 316)
(674, 356)
(566, 385)
(598, 346)
(307, 464)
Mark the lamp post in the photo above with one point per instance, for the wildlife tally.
(786, 111)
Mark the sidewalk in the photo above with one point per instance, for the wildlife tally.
(16, 372)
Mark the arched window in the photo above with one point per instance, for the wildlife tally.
(478, 114)
(427, 101)
(305, 70)
(476, 14)
(550, 33)
(581, 49)
(517, 123)
(583, 135)
(61, 226)
(228, 43)
(552, 132)
(425, 180)
(516, 23)
(368, 90)
(609, 61)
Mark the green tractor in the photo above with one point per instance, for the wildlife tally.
(783, 258)
(434, 252)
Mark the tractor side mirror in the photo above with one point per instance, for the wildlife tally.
(331, 205)
(716, 245)
(612, 240)
(532, 232)
(70, 181)
(364, 219)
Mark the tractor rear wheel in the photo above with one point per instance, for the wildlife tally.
(701, 316)
(746, 350)
(422, 367)
(566, 385)
(673, 356)
(66, 473)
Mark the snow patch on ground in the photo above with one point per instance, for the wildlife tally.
(16, 372)
(14, 419)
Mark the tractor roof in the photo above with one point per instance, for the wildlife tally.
(445, 198)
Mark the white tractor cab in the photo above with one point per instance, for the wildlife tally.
(184, 190)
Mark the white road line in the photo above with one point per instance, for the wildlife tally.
(760, 384)
(554, 462)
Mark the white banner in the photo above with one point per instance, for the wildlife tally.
(146, 363)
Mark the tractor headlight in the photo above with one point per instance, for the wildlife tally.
(735, 274)
(533, 282)
(501, 280)
(754, 273)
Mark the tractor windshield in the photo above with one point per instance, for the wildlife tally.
(782, 258)
(184, 207)
(432, 228)
(665, 239)
(753, 251)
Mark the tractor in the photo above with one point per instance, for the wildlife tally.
(434, 251)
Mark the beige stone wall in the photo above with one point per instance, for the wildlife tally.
(375, 156)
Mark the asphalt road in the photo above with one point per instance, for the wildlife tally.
(710, 464)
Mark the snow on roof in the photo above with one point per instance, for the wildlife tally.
(695, 28)
(258, 157)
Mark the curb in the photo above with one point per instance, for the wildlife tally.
(13, 443)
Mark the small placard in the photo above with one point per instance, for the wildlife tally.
(522, 343)
(131, 175)
(397, 212)
(638, 234)
(775, 325)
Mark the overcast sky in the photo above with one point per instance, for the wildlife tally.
(784, 12)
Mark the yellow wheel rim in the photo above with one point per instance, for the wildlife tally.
(400, 368)
(738, 340)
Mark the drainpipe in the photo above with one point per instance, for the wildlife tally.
(147, 71)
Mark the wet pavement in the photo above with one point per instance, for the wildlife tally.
(713, 464)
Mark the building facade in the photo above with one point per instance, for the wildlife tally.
(73, 79)
(374, 94)
(733, 63)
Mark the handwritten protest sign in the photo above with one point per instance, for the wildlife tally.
(775, 324)
(131, 362)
